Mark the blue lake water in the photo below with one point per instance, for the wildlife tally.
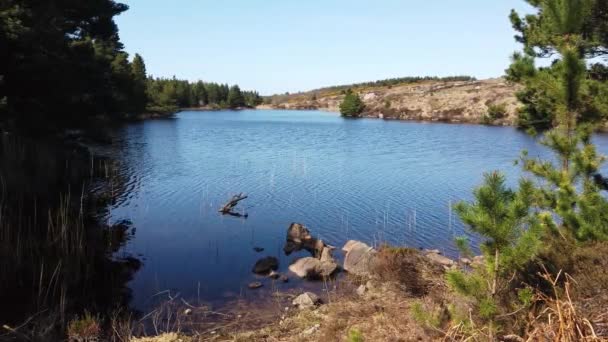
(371, 180)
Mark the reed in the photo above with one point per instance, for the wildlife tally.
(55, 259)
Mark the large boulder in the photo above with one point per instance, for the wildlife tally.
(306, 300)
(313, 268)
(266, 265)
(359, 258)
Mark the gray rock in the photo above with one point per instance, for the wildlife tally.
(313, 268)
(274, 275)
(305, 267)
(440, 259)
(361, 290)
(306, 300)
(265, 265)
(359, 258)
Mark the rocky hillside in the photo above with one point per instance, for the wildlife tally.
(456, 101)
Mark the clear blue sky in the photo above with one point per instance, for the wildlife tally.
(276, 46)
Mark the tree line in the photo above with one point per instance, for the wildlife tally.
(168, 94)
(62, 64)
(390, 82)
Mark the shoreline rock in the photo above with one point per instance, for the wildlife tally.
(266, 265)
(359, 258)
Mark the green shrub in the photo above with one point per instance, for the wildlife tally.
(497, 111)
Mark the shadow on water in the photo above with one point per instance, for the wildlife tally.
(56, 259)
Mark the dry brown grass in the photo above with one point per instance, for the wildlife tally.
(560, 319)
(409, 268)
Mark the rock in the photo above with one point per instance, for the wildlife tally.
(326, 254)
(304, 267)
(258, 249)
(314, 246)
(327, 268)
(369, 96)
(283, 278)
(361, 290)
(477, 260)
(312, 268)
(310, 330)
(440, 259)
(291, 247)
(298, 233)
(274, 275)
(359, 257)
(465, 261)
(350, 244)
(299, 237)
(255, 285)
(187, 312)
(265, 265)
(306, 300)
(432, 251)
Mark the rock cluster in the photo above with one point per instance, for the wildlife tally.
(320, 265)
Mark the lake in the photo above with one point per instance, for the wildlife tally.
(372, 180)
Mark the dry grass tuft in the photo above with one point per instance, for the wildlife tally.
(560, 320)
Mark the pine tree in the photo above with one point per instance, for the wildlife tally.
(569, 188)
(235, 97)
(351, 106)
(545, 35)
(138, 70)
(512, 238)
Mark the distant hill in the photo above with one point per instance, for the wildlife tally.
(453, 99)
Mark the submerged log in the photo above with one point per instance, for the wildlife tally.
(229, 206)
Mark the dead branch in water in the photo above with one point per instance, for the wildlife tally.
(229, 206)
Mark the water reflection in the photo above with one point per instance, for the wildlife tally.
(56, 260)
